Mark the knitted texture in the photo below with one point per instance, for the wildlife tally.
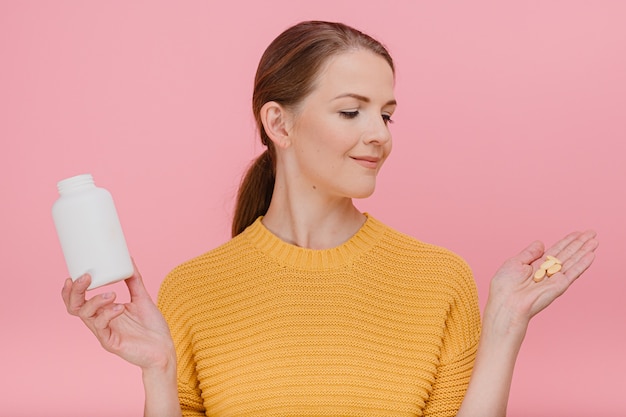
(383, 325)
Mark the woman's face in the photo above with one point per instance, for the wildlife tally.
(340, 137)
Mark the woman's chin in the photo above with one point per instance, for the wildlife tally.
(365, 192)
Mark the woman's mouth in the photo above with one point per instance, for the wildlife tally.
(370, 162)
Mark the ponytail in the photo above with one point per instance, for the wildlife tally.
(255, 192)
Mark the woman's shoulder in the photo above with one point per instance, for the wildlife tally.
(405, 241)
(189, 273)
(405, 249)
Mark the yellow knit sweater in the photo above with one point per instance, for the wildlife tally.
(383, 325)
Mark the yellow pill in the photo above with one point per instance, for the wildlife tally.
(550, 257)
(548, 264)
(539, 275)
(553, 269)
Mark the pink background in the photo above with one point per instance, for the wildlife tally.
(511, 127)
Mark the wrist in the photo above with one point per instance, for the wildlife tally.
(163, 366)
(504, 323)
(161, 391)
(160, 375)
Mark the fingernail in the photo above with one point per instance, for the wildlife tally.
(107, 295)
(82, 278)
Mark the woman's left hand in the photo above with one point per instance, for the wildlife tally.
(514, 297)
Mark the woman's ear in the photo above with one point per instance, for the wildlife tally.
(276, 122)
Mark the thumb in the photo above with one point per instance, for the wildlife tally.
(136, 286)
(531, 253)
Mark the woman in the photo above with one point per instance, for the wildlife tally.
(314, 308)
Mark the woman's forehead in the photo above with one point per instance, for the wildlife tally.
(358, 72)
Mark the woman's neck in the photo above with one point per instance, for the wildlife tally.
(313, 225)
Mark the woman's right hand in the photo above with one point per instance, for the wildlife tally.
(135, 331)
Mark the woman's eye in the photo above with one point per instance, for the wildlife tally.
(349, 114)
(387, 118)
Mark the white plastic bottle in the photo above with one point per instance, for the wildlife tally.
(90, 232)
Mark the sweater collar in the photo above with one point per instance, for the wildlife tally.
(290, 255)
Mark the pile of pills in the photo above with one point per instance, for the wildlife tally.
(550, 267)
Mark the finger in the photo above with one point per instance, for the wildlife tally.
(531, 253)
(562, 280)
(92, 307)
(65, 291)
(577, 269)
(574, 245)
(563, 243)
(575, 266)
(76, 296)
(135, 285)
(102, 322)
(588, 247)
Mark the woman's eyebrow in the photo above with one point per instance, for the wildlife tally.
(362, 98)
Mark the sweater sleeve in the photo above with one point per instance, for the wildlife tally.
(171, 302)
(460, 345)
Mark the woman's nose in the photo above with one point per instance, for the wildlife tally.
(378, 132)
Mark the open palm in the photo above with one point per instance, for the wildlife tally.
(516, 297)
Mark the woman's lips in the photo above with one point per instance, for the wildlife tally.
(367, 161)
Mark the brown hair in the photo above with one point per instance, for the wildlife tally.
(286, 74)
